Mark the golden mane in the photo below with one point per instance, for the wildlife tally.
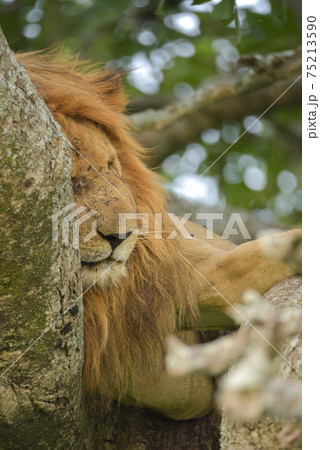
(125, 326)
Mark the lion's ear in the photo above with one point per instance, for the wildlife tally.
(110, 86)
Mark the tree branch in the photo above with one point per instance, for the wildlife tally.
(281, 396)
(261, 394)
(260, 71)
(258, 361)
(188, 128)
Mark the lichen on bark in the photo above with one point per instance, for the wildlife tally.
(40, 394)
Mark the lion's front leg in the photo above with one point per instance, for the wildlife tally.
(225, 277)
(182, 398)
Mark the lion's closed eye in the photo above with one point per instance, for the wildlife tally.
(114, 165)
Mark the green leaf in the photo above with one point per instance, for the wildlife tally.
(225, 10)
(199, 2)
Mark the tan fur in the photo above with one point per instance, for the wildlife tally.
(151, 291)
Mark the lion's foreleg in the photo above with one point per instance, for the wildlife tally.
(179, 398)
(244, 267)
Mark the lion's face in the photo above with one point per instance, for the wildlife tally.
(103, 195)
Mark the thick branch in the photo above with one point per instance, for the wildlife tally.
(263, 383)
(189, 128)
(282, 394)
(261, 71)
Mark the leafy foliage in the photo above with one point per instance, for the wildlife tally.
(170, 48)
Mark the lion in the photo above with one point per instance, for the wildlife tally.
(139, 289)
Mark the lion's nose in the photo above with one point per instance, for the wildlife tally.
(114, 239)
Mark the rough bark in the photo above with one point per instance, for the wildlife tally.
(40, 392)
(271, 432)
(128, 428)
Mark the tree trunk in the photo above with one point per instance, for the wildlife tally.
(40, 384)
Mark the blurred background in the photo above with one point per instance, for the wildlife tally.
(169, 49)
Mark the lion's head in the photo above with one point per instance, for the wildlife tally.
(139, 278)
(107, 177)
(99, 187)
